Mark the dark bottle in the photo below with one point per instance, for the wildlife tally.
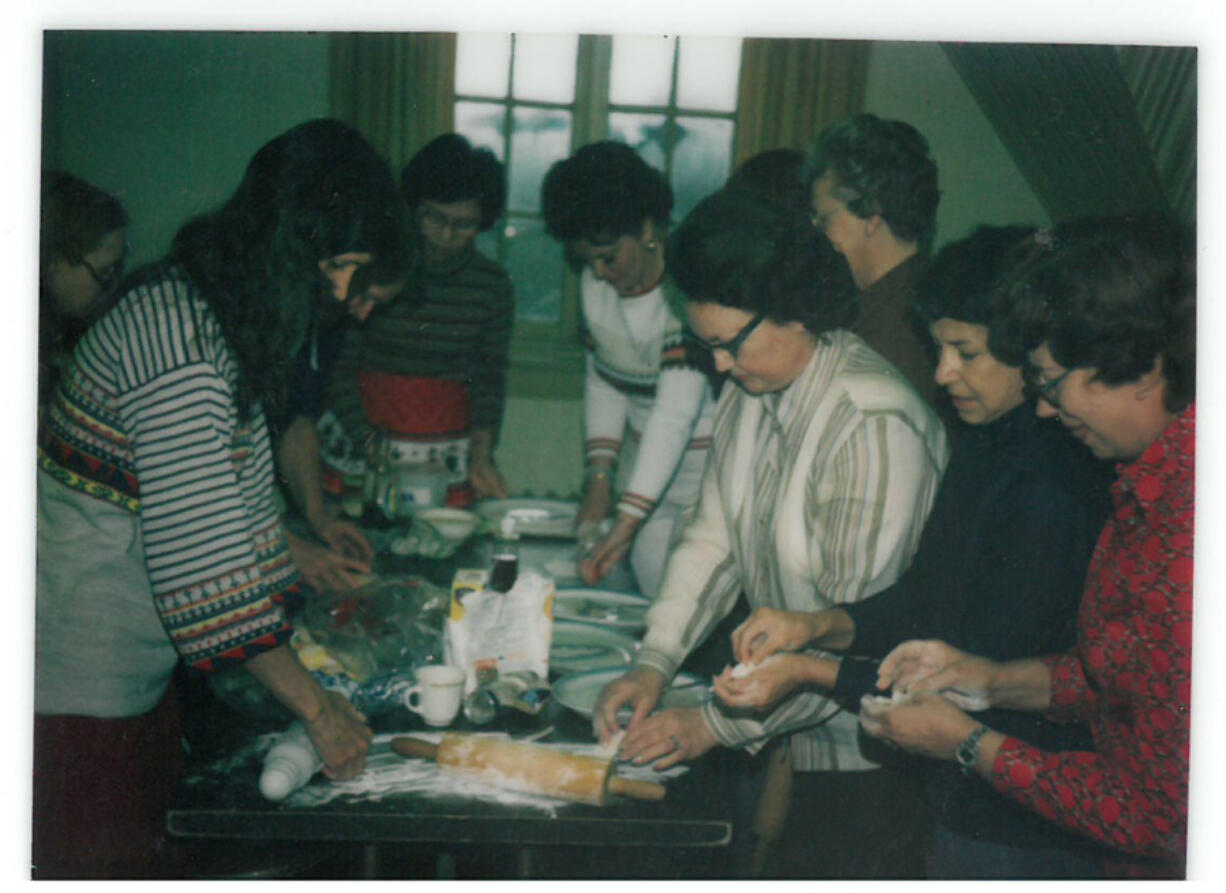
(506, 557)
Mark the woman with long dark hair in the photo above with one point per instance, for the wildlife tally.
(158, 536)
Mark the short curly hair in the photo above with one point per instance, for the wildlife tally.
(602, 192)
(1111, 294)
(448, 169)
(958, 283)
(880, 167)
(739, 249)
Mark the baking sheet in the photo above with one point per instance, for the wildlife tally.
(619, 610)
(579, 646)
(533, 517)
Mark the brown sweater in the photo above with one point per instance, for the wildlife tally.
(887, 323)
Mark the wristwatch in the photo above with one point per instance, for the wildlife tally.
(968, 751)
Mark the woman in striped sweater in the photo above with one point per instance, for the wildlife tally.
(430, 372)
(158, 538)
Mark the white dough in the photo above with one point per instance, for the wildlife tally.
(740, 671)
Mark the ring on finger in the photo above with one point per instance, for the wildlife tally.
(676, 742)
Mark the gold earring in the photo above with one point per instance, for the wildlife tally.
(652, 245)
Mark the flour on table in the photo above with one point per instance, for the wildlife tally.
(388, 774)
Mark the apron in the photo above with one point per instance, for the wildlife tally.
(425, 421)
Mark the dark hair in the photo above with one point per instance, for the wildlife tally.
(880, 167)
(958, 283)
(448, 169)
(777, 174)
(317, 191)
(1112, 294)
(741, 250)
(602, 192)
(75, 216)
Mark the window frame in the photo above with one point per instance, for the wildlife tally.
(547, 358)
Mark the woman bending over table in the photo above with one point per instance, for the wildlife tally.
(824, 466)
(999, 570)
(646, 402)
(429, 373)
(1109, 320)
(158, 536)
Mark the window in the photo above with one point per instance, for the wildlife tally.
(533, 99)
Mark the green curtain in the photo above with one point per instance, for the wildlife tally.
(398, 90)
(792, 88)
(1066, 115)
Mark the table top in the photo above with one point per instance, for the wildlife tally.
(219, 795)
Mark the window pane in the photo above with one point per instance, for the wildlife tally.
(545, 67)
(642, 70)
(482, 62)
(702, 160)
(482, 123)
(534, 261)
(708, 70)
(646, 134)
(539, 137)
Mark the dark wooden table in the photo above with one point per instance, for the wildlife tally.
(411, 834)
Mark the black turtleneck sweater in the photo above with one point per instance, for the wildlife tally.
(999, 572)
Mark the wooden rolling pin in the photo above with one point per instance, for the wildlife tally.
(528, 768)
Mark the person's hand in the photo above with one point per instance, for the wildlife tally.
(609, 551)
(340, 734)
(346, 538)
(323, 569)
(597, 499)
(925, 724)
(766, 686)
(768, 630)
(934, 666)
(487, 481)
(667, 738)
(640, 688)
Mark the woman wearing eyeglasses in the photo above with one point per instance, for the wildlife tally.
(1108, 317)
(83, 240)
(647, 403)
(824, 466)
(429, 373)
(999, 571)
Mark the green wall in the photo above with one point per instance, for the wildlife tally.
(168, 120)
(979, 182)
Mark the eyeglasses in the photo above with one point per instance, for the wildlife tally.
(439, 220)
(733, 347)
(1048, 391)
(107, 280)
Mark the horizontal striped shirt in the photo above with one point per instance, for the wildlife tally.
(813, 497)
(641, 381)
(145, 420)
(459, 330)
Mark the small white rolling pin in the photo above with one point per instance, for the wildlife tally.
(528, 768)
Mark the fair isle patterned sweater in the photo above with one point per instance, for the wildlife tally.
(145, 423)
(641, 382)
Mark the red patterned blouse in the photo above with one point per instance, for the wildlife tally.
(1129, 676)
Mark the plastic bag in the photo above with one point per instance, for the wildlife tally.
(390, 624)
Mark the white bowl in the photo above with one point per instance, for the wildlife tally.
(455, 524)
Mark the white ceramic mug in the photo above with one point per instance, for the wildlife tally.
(436, 694)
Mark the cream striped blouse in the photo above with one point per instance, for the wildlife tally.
(814, 496)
